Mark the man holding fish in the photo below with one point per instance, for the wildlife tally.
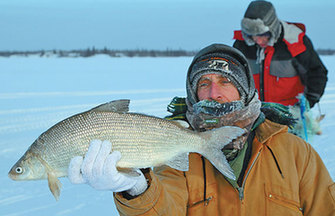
(228, 155)
(274, 172)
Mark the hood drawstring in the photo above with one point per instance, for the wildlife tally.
(205, 200)
(204, 171)
(274, 157)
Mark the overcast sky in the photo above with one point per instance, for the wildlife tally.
(145, 24)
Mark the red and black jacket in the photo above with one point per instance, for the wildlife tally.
(290, 67)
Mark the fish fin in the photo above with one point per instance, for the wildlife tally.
(180, 162)
(120, 106)
(216, 139)
(182, 123)
(54, 185)
(320, 118)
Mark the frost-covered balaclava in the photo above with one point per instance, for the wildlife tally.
(230, 63)
(259, 18)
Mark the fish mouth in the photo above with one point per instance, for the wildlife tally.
(16, 177)
(11, 176)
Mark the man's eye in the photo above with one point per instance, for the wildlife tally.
(225, 82)
(202, 85)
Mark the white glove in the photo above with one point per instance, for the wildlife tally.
(98, 169)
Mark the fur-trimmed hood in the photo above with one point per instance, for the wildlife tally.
(260, 17)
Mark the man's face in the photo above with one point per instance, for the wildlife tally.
(218, 88)
(262, 41)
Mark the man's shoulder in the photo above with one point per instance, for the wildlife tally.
(268, 129)
(274, 131)
(277, 136)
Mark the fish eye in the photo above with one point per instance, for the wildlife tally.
(19, 170)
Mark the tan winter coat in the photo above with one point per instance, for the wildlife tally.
(304, 188)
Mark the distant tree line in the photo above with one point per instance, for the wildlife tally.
(118, 53)
(326, 51)
(93, 51)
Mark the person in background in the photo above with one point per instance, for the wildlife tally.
(277, 173)
(283, 60)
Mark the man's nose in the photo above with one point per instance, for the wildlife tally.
(215, 92)
(259, 40)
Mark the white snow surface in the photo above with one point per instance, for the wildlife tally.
(36, 93)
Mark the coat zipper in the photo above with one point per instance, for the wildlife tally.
(261, 61)
(241, 189)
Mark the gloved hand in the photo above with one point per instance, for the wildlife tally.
(98, 169)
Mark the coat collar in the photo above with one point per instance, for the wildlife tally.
(268, 129)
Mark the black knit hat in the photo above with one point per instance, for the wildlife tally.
(259, 18)
(224, 60)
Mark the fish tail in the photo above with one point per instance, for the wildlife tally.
(54, 185)
(215, 140)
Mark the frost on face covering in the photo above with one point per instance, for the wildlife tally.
(216, 109)
(211, 114)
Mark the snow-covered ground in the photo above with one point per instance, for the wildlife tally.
(36, 93)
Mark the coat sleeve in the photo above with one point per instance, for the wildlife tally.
(315, 78)
(240, 45)
(317, 189)
(167, 195)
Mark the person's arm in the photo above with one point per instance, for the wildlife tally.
(316, 73)
(166, 195)
(317, 189)
(239, 45)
